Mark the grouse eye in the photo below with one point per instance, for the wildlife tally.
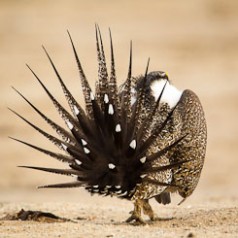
(164, 75)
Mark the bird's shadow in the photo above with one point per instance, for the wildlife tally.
(146, 222)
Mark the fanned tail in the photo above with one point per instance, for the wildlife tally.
(113, 81)
(126, 99)
(102, 88)
(87, 92)
(106, 145)
(66, 136)
(74, 106)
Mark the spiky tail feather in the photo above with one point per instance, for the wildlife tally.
(106, 146)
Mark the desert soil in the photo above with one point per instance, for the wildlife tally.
(196, 42)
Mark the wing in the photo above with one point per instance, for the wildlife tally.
(193, 147)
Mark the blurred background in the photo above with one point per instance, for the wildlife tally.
(196, 42)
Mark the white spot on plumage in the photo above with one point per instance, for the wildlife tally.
(111, 166)
(92, 96)
(133, 144)
(118, 186)
(86, 150)
(133, 100)
(70, 125)
(64, 146)
(76, 110)
(133, 97)
(118, 128)
(84, 142)
(110, 109)
(78, 162)
(95, 186)
(171, 95)
(143, 175)
(108, 186)
(123, 194)
(143, 159)
(106, 98)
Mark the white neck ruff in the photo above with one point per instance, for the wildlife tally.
(171, 95)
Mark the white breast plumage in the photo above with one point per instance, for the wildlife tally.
(171, 94)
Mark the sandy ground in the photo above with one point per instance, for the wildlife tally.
(196, 42)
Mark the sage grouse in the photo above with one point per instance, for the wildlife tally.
(142, 140)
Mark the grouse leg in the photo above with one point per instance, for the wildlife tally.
(136, 213)
(147, 210)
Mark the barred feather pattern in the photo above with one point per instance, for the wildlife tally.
(123, 142)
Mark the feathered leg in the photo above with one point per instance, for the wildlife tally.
(136, 213)
(139, 206)
(147, 210)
